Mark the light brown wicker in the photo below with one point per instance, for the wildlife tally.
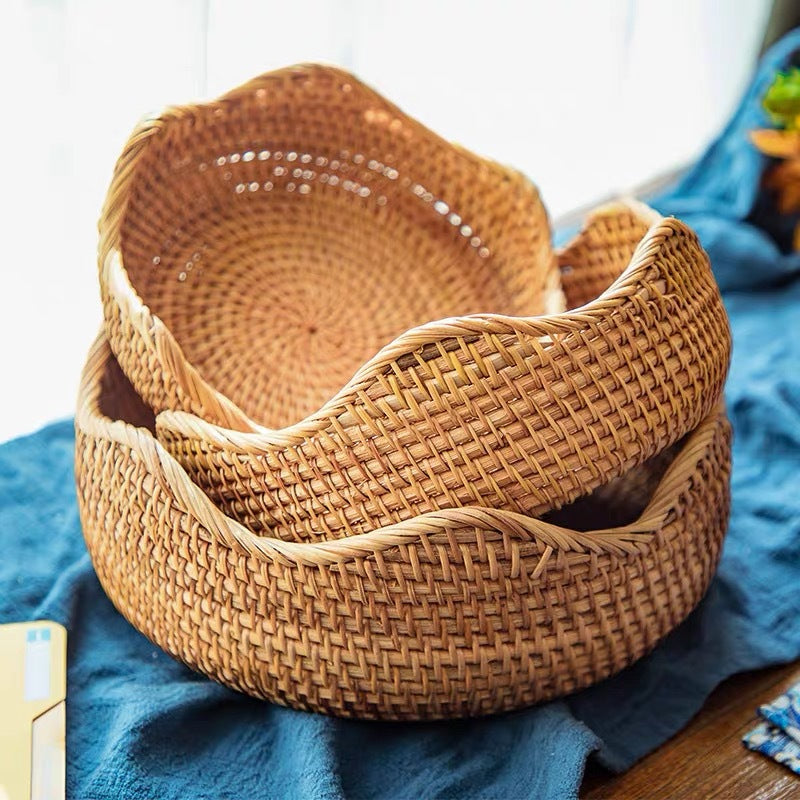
(453, 613)
(257, 250)
(522, 414)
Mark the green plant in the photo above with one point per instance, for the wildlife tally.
(782, 100)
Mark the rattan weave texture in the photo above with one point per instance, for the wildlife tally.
(255, 251)
(460, 612)
(341, 446)
(522, 414)
(277, 257)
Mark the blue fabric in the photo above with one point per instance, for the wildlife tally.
(778, 736)
(784, 712)
(141, 725)
(775, 744)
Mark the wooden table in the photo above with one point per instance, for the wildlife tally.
(707, 760)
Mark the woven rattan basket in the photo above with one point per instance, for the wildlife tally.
(521, 414)
(257, 250)
(285, 244)
(453, 613)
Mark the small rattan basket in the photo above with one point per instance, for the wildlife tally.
(521, 414)
(255, 251)
(459, 612)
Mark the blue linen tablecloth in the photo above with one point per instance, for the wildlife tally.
(140, 725)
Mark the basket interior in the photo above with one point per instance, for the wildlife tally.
(118, 400)
(619, 502)
(596, 257)
(286, 235)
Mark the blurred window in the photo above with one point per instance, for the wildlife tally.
(587, 98)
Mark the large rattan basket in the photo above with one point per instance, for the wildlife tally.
(459, 612)
(521, 414)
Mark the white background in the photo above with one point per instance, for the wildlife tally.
(588, 98)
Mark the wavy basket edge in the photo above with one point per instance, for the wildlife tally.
(253, 436)
(118, 293)
(464, 624)
(630, 538)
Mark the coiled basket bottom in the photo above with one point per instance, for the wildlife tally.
(462, 612)
(257, 250)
